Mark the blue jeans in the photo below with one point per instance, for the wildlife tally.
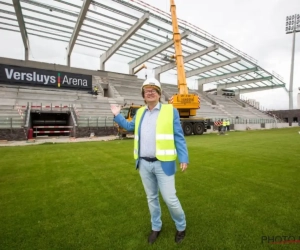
(154, 179)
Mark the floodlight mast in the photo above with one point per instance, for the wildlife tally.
(292, 26)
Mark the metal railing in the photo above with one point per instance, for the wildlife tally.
(246, 120)
(50, 107)
(96, 122)
(11, 122)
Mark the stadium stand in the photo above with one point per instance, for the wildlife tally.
(26, 104)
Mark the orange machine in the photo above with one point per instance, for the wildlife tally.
(128, 112)
(186, 104)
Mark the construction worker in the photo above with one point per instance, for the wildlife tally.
(224, 125)
(95, 90)
(228, 125)
(157, 141)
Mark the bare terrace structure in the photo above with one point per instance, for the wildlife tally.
(134, 33)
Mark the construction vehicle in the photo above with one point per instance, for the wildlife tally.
(186, 104)
(128, 112)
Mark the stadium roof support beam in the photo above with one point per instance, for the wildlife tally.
(20, 18)
(250, 90)
(106, 55)
(188, 58)
(154, 52)
(81, 16)
(225, 76)
(211, 67)
(240, 83)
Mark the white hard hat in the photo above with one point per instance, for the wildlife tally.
(151, 82)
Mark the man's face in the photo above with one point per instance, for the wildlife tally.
(151, 95)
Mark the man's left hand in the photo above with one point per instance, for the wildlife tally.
(183, 166)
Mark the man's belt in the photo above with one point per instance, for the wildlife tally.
(150, 159)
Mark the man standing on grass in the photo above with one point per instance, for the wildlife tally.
(228, 125)
(158, 138)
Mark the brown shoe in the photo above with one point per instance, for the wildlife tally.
(179, 236)
(153, 236)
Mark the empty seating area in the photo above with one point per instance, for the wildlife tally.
(218, 107)
(235, 109)
(130, 90)
(88, 113)
(207, 110)
(16, 99)
(11, 116)
(91, 110)
(131, 94)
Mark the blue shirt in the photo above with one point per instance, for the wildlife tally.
(169, 167)
(147, 133)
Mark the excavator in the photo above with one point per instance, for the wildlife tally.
(186, 104)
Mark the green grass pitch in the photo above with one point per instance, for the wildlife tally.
(238, 190)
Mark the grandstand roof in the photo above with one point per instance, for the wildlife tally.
(138, 33)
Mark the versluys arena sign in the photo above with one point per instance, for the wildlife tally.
(39, 77)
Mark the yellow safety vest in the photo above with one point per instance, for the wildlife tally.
(224, 123)
(165, 145)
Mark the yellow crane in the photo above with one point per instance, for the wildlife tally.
(187, 104)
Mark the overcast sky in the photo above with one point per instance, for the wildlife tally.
(255, 27)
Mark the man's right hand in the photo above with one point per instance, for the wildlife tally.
(115, 109)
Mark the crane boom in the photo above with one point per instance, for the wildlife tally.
(182, 85)
(186, 104)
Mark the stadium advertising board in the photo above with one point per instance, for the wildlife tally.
(47, 78)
